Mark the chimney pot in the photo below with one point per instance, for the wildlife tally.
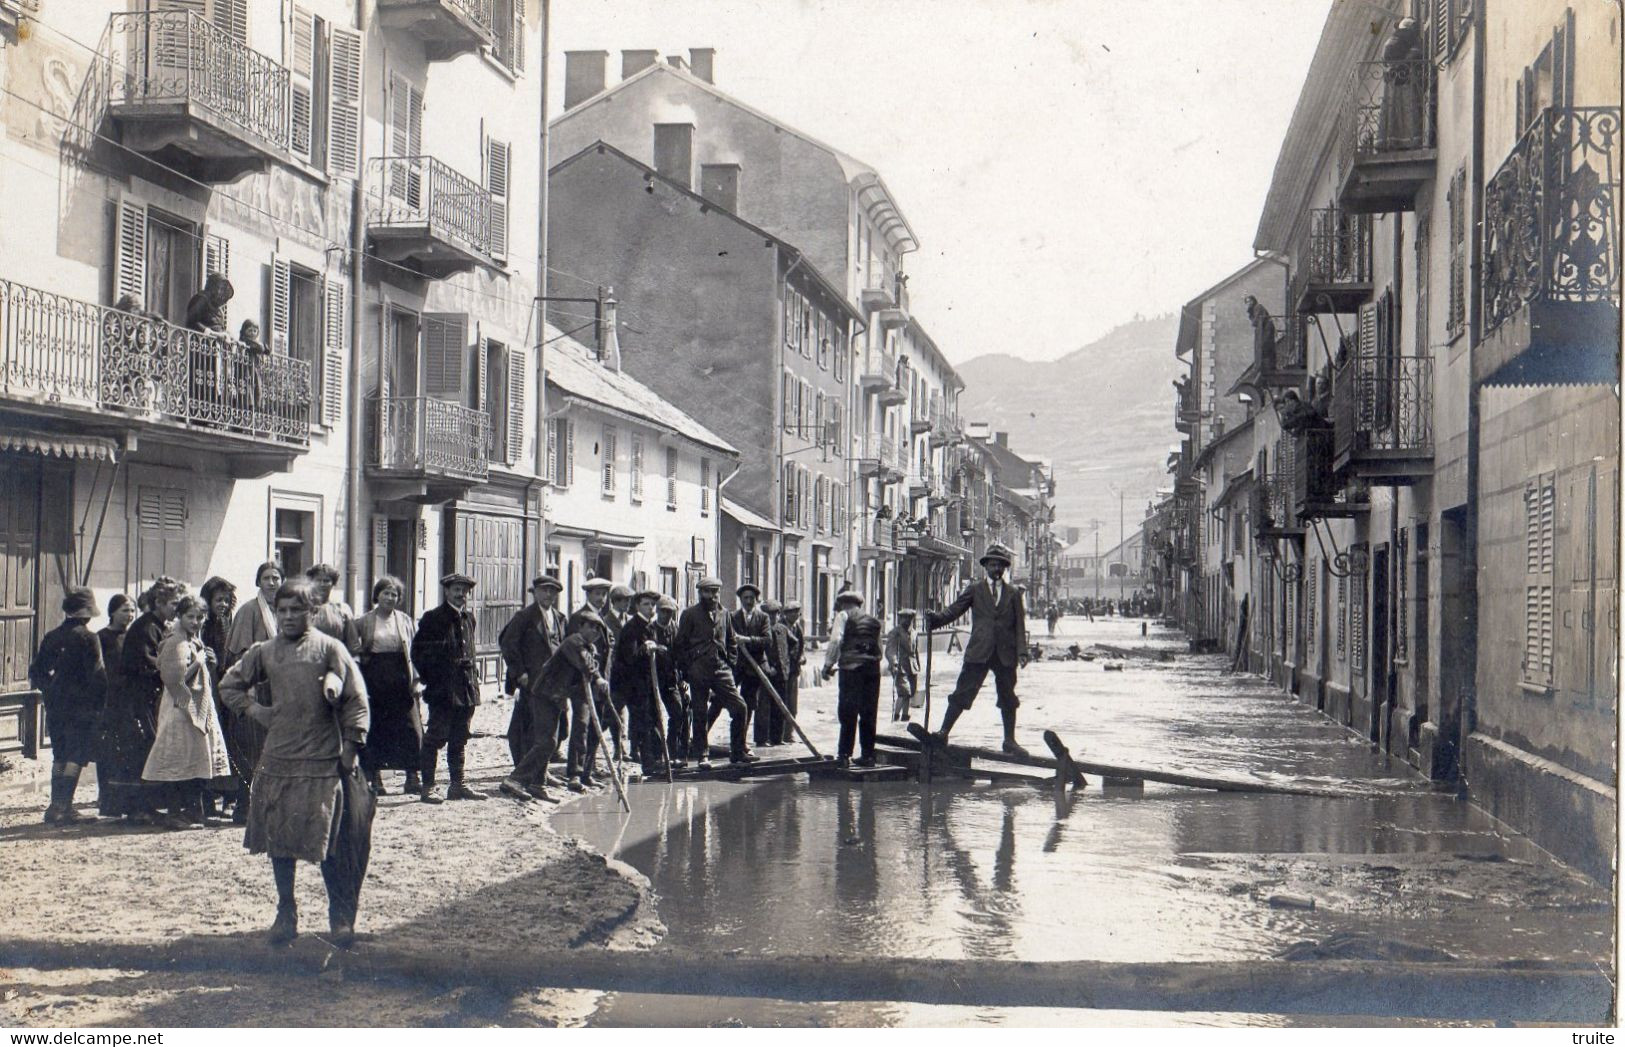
(610, 351)
(1002, 439)
(584, 75)
(702, 63)
(633, 62)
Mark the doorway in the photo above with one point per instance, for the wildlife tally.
(1381, 666)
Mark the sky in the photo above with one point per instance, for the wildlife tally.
(1068, 164)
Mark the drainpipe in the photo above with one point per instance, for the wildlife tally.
(738, 464)
(354, 540)
(1466, 712)
(538, 485)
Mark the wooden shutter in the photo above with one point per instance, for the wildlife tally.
(405, 139)
(279, 302)
(497, 156)
(161, 532)
(569, 451)
(671, 477)
(788, 410)
(301, 70)
(231, 18)
(1540, 539)
(216, 255)
(607, 460)
(334, 331)
(445, 347)
(344, 102)
(518, 36)
(476, 372)
(635, 464)
(380, 548)
(130, 251)
(553, 452)
(705, 486)
(515, 420)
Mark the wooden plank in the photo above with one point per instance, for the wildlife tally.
(1066, 770)
(913, 741)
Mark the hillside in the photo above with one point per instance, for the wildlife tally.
(1103, 414)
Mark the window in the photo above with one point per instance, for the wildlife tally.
(668, 582)
(1342, 617)
(820, 504)
(705, 487)
(816, 433)
(832, 434)
(508, 32)
(497, 156)
(1540, 544)
(561, 451)
(405, 140)
(838, 510)
(607, 461)
(841, 354)
(306, 320)
(161, 538)
(789, 493)
(636, 465)
(790, 392)
(1357, 620)
(293, 541)
(503, 433)
(309, 84)
(671, 479)
(169, 272)
(1447, 22)
(1456, 202)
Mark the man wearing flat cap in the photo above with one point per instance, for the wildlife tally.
(678, 727)
(854, 651)
(636, 669)
(998, 643)
(706, 649)
(527, 642)
(68, 672)
(444, 656)
(750, 627)
(795, 655)
(615, 613)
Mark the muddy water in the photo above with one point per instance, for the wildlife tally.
(815, 868)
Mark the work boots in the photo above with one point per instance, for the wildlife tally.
(286, 927)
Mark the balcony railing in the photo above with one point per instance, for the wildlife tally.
(1334, 262)
(1273, 511)
(1382, 412)
(432, 211)
(447, 27)
(1317, 490)
(423, 436)
(1388, 135)
(64, 352)
(178, 58)
(879, 369)
(1551, 215)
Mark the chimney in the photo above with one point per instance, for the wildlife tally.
(1002, 439)
(676, 61)
(719, 183)
(633, 62)
(609, 339)
(583, 75)
(674, 153)
(702, 63)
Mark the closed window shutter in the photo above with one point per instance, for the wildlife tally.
(569, 451)
(405, 140)
(1357, 622)
(280, 306)
(518, 63)
(476, 372)
(231, 18)
(553, 453)
(334, 328)
(130, 260)
(608, 460)
(705, 486)
(789, 409)
(445, 347)
(344, 99)
(1342, 617)
(516, 404)
(497, 156)
(671, 477)
(161, 532)
(635, 468)
(380, 547)
(216, 255)
(301, 68)
(1540, 541)
(789, 493)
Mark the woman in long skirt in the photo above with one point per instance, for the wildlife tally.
(131, 714)
(331, 616)
(219, 601)
(254, 623)
(189, 749)
(120, 613)
(383, 640)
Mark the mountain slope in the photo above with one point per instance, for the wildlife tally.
(1102, 414)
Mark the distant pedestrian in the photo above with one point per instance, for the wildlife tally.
(902, 665)
(750, 626)
(383, 642)
(68, 672)
(855, 654)
(775, 664)
(443, 654)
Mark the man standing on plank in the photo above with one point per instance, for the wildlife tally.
(998, 644)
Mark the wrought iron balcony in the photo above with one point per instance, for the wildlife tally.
(1317, 490)
(1388, 149)
(447, 28)
(439, 448)
(919, 423)
(878, 539)
(879, 369)
(1272, 509)
(423, 214)
(1333, 263)
(1284, 362)
(944, 429)
(1382, 415)
(1551, 253)
(922, 483)
(102, 368)
(183, 92)
(879, 293)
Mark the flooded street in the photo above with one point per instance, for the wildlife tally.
(792, 867)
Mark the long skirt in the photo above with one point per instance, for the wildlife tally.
(189, 744)
(294, 815)
(395, 737)
(128, 726)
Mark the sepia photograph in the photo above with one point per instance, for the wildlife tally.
(666, 514)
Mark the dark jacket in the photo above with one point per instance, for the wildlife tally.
(632, 660)
(798, 650)
(998, 632)
(860, 641)
(666, 657)
(68, 670)
(751, 630)
(900, 651)
(704, 645)
(140, 657)
(443, 654)
(527, 642)
(581, 655)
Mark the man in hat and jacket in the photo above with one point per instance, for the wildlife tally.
(854, 650)
(706, 648)
(902, 663)
(636, 670)
(795, 652)
(998, 643)
(575, 667)
(527, 642)
(588, 621)
(443, 654)
(678, 726)
(68, 671)
(750, 628)
(615, 613)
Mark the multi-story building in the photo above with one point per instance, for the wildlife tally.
(735, 327)
(1436, 542)
(635, 482)
(351, 182)
(1020, 510)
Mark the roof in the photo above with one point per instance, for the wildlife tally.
(873, 195)
(748, 517)
(1006, 459)
(1244, 426)
(602, 147)
(1354, 30)
(574, 370)
(918, 331)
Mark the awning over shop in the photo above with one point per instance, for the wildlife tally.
(746, 518)
(59, 445)
(596, 539)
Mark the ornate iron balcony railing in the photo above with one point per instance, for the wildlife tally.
(1551, 214)
(414, 192)
(178, 57)
(1383, 403)
(1337, 250)
(421, 435)
(64, 351)
(1390, 108)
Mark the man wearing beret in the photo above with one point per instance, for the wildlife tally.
(998, 644)
(527, 642)
(443, 654)
(706, 648)
(750, 627)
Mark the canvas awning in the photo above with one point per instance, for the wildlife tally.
(59, 445)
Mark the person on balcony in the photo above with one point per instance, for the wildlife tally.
(444, 656)
(1264, 332)
(206, 314)
(998, 644)
(69, 673)
(1402, 114)
(1297, 414)
(253, 393)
